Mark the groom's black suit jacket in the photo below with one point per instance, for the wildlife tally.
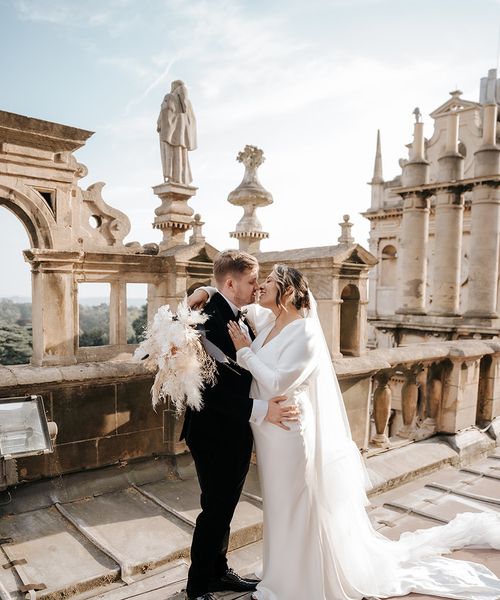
(220, 440)
(226, 405)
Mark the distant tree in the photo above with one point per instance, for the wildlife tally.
(15, 344)
(94, 337)
(25, 316)
(139, 326)
(94, 325)
(10, 312)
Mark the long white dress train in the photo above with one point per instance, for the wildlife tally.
(319, 543)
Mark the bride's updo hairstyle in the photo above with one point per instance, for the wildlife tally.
(286, 278)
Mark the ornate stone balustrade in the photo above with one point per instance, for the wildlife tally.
(393, 397)
(412, 393)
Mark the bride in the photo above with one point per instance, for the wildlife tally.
(319, 543)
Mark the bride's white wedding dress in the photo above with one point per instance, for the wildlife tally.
(319, 543)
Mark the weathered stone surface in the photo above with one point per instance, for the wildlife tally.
(130, 446)
(134, 411)
(86, 411)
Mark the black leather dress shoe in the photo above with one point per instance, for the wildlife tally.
(204, 597)
(231, 581)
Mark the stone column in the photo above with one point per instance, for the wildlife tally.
(55, 325)
(412, 271)
(459, 405)
(373, 275)
(489, 387)
(485, 225)
(447, 253)
(448, 228)
(174, 217)
(412, 264)
(118, 314)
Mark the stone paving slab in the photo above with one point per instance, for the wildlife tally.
(149, 534)
(55, 554)
(170, 583)
(182, 497)
(392, 468)
(401, 523)
(132, 528)
(166, 582)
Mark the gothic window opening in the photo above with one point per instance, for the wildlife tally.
(349, 321)
(388, 266)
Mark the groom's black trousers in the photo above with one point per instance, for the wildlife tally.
(221, 474)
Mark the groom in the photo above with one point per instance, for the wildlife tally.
(219, 435)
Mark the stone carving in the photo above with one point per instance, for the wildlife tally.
(177, 128)
(346, 238)
(250, 194)
(110, 224)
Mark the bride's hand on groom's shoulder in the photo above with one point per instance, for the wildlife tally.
(197, 299)
(277, 414)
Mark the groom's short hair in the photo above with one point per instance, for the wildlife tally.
(234, 262)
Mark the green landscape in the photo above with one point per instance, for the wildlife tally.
(16, 336)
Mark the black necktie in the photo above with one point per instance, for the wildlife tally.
(238, 316)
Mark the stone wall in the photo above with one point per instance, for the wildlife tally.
(103, 412)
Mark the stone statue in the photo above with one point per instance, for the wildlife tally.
(177, 129)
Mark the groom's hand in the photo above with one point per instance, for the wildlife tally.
(197, 299)
(276, 413)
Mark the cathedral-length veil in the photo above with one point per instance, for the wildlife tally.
(354, 554)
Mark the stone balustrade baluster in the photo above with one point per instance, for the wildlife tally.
(409, 403)
(435, 396)
(382, 399)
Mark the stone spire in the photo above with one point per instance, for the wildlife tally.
(250, 194)
(377, 181)
(377, 169)
(346, 238)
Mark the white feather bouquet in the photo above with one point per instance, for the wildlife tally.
(173, 348)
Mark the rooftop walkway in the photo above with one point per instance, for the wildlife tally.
(125, 532)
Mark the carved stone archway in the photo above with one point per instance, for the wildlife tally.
(33, 212)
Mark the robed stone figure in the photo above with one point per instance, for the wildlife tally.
(177, 129)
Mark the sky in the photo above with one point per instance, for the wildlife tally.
(309, 82)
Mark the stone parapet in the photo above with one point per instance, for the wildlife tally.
(104, 413)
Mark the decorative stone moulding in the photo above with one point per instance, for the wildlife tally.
(174, 217)
(111, 225)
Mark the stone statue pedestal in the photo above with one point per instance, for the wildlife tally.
(174, 217)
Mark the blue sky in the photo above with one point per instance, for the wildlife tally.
(309, 82)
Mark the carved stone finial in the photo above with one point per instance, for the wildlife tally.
(250, 194)
(345, 236)
(418, 114)
(251, 157)
(197, 237)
